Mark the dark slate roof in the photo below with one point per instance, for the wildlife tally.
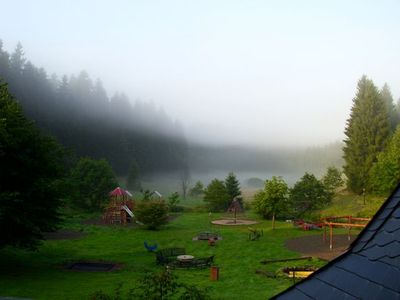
(370, 269)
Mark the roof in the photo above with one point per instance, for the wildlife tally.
(118, 192)
(370, 269)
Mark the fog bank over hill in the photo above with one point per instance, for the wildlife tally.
(265, 73)
(207, 163)
(269, 160)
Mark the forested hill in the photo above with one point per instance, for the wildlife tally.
(79, 113)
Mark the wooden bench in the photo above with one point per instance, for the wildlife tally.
(207, 235)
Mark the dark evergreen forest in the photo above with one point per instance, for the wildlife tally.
(79, 113)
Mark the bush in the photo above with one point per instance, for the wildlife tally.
(152, 213)
(155, 286)
(216, 196)
(173, 201)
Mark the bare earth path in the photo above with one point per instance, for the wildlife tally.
(313, 245)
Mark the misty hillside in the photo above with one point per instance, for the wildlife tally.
(80, 114)
(274, 161)
(78, 111)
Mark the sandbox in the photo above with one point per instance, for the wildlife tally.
(233, 222)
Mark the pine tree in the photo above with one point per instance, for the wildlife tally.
(17, 61)
(366, 133)
(4, 62)
(31, 170)
(232, 186)
(133, 180)
(332, 179)
(387, 98)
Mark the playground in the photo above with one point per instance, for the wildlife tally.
(46, 276)
(110, 250)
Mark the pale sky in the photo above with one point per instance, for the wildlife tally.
(237, 72)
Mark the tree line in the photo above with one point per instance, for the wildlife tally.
(80, 114)
(371, 156)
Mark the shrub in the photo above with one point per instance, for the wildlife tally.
(216, 196)
(155, 286)
(152, 213)
(173, 201)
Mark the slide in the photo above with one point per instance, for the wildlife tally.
(126, 208)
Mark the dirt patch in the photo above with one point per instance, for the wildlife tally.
(231, 222)
(313, 245)
(100, 222)
(63, 234)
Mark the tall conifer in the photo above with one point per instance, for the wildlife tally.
(232, 186)
(367, 131)
(387, 98)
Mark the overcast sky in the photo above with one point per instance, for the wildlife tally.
(239, 72)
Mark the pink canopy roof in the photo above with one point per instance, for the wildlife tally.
(118, 192)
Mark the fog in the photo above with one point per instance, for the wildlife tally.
(259, 73)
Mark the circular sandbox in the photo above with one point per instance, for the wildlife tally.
(231, 222)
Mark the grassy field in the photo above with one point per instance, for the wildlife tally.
(345, 204)
(41, 274)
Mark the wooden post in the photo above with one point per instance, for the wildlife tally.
(324, 236)
(214, 274)
(330, 236)
(348, 233)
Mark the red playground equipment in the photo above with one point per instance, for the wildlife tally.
(347, 222)
(308, 225)
(119, 210)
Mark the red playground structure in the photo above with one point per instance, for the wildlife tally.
(120, 207)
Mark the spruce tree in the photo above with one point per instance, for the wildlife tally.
(387, 98)
(17, 61)
(367, 131)
(31, 172)
(232, 186)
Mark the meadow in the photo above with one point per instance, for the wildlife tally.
(42, 274)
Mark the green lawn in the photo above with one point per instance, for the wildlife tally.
(346, 203)
(40, 274)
